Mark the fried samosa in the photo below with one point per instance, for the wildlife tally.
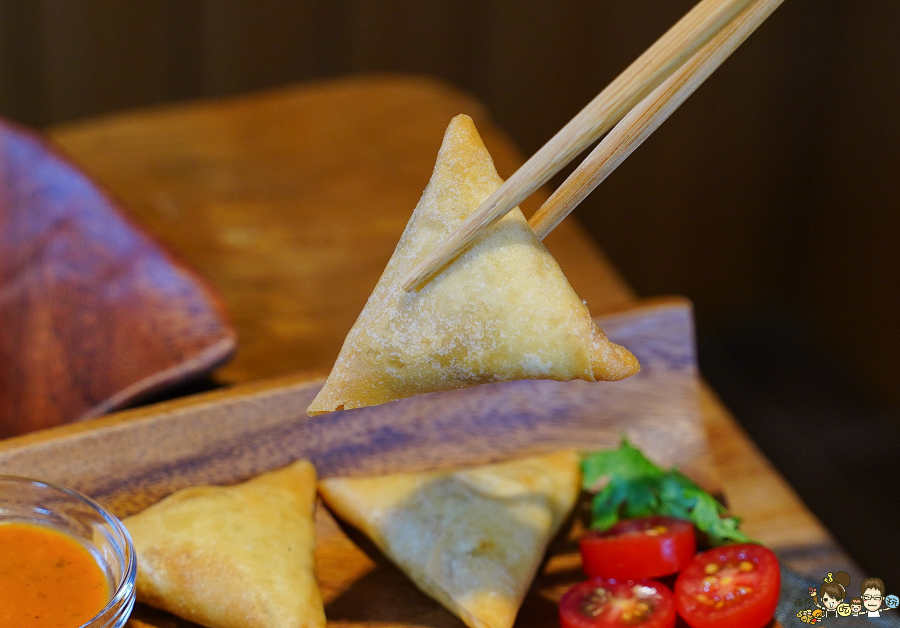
(233, 557)
(503, 310)
(471, 539)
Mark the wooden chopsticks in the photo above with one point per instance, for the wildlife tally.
(646, 117)
(678, 44)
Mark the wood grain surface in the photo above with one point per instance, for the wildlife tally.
(131, 460)
(94, 312)
(291, 202)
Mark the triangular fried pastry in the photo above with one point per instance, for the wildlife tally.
(233, 557)
(471, 539)
(503, 310)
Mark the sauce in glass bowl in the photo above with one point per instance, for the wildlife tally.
(65, 561)
(47, 578)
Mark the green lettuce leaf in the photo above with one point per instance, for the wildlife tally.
(628, 485)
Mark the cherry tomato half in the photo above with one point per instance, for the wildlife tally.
(639, 548)
(602, 603)
(732, 585)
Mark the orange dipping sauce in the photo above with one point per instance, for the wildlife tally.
(47, 579)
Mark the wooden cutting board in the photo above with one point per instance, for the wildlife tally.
(132, 459)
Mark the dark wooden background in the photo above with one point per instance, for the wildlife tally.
(771, 199)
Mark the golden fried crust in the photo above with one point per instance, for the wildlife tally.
(610, 362)
(471, 539)
(233, 557)
(501, 311)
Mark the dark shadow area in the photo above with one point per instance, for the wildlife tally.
(815, 418)
(194, 386)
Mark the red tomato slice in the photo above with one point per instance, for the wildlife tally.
(732, 585)
(602, 603)
(639, 548)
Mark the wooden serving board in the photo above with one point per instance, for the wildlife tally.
(131, 460)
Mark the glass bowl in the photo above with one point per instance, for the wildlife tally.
(23, 500)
